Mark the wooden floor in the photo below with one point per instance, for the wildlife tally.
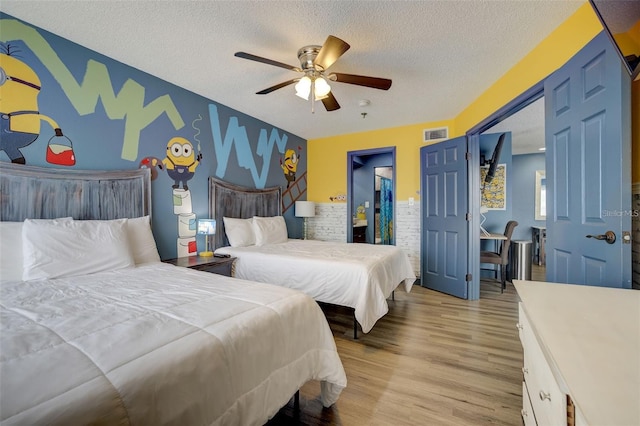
(432, 360)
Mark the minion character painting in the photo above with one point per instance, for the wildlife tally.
(181, 161)
(19, 114)
(290, 165)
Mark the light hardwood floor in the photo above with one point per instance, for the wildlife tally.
(432, 360)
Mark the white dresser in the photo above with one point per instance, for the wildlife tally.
(581, 354)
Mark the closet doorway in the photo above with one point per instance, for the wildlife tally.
(371, 196)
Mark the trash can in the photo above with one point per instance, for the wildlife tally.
(520, 263)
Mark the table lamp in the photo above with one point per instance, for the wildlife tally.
(305, 209)
(206, 227)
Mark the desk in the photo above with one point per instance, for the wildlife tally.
(492, 236)
(495, 237)
(539, 237)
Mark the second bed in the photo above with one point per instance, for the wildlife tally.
(358, 276)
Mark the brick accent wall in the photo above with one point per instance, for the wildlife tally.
(330, 224)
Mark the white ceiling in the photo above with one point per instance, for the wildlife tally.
(526, 127)
(441, 55)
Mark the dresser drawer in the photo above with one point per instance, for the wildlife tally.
(528, 417)
(548, 401)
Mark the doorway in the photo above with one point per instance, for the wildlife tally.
(527, 98)
(525, 182)
(370, 214)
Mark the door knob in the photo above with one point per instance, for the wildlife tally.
(609, 237)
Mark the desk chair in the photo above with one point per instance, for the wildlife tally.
(501, 258)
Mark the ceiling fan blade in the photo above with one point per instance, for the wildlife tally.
(330, 103)
(277, 86)
(331, 50)
(251, 57)
(361, 80)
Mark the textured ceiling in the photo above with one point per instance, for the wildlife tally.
(441, 55)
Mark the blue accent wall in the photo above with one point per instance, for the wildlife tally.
(524, 183)
(520, 202)
(113, 116)
(497, 219)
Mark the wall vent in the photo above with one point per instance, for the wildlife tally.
(438, 134)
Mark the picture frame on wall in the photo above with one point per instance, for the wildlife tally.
(494, 194)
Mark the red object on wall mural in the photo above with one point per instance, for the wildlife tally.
(60, 150)
(193, 247)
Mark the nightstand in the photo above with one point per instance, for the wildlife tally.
(215, 265)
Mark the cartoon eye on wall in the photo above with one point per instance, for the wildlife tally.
(294, 158)
(186, 150)
(176, 149)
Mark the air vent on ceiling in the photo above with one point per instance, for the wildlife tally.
(430, 135)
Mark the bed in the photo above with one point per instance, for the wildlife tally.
(358, 276)
(143, 343)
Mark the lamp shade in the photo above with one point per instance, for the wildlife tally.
(322, 88)
(303, 87)
(305, 209)
(206, 226)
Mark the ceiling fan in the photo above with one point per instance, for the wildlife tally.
(314, 62)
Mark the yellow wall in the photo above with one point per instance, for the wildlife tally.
(327, 157)
(563, 43)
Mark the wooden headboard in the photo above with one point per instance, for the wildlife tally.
(229, 200)
(28, 192)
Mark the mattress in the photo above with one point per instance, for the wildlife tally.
(360, 276)
(158, 344)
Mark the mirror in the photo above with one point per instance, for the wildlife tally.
(541, 195)
(383, 205)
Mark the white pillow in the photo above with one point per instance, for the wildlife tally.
(141, 241)
(239, 231)
(11, 248)
(68, 248)
(269, 230)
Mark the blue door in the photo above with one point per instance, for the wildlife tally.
(443, 195)
(588, 167)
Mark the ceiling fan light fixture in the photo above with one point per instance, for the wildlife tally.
(303, 87)
(322, 88)
(314, 84)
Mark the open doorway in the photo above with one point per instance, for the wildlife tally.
(370, 210)
(525, 181)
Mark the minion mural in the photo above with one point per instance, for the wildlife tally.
(19, 114)
(125, 118)
(181, 163)
(290, 165)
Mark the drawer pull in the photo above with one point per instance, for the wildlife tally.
(525, 370)
(524, 413)
(519, 326)
(544, 395)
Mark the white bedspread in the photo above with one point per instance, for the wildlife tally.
(156, 345)
(360, 276)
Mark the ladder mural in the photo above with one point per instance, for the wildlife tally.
(294, 192)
